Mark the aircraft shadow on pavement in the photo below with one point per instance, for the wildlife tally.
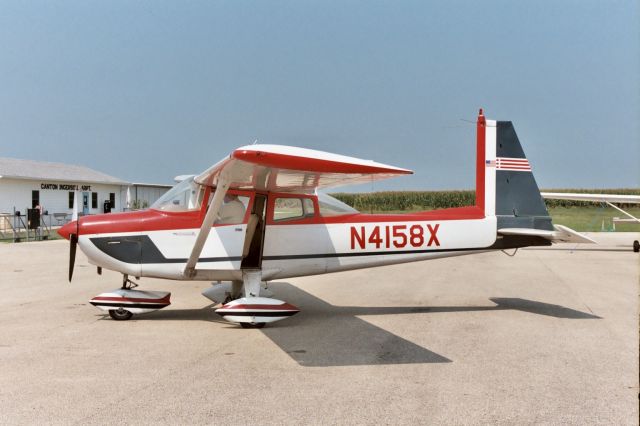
(324, 335)
(539, 308)
(327, 335)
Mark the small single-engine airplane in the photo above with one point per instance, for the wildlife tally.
(257, 216)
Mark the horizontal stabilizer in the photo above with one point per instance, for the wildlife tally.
(568, 235)
(560, 234)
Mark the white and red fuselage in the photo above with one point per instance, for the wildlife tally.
(307, 247)
(156, 243)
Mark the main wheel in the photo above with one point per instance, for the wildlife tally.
(252, 325)
(120, 314)
(636, 246)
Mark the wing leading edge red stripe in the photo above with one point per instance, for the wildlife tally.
(292, 162)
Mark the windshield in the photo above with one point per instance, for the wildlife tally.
(329, 206)
(187, 195)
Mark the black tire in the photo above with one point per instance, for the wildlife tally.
(636, 246)
(252, 325)
(120, 314)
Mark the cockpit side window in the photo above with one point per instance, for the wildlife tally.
(232, 210)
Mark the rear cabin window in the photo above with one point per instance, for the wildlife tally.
(292, 208)
(329, 206)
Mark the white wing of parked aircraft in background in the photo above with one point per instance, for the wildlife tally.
(608, 199)
(603, 198)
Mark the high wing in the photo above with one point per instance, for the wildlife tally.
(283, 169)
(291, 169)
(603, 198)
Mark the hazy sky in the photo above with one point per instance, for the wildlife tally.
(146, 91)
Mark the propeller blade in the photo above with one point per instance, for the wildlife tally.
(74, 215)
(73, 239)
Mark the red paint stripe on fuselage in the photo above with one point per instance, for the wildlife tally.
(140, 221)
(154, 220)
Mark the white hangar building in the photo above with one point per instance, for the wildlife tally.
(25, 184)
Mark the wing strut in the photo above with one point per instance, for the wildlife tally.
(623, 212)
(207, 223)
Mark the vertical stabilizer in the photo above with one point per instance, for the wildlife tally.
(505, 185)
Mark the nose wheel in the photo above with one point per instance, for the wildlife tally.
(120, 314)
(124, 302)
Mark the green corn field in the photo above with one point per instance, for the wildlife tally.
(407, 200)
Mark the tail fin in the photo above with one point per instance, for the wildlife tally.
(505, 184)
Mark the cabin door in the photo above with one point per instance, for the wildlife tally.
(254, 238)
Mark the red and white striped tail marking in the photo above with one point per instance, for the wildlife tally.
(513, 164)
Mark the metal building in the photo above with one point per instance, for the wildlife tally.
(27, 184)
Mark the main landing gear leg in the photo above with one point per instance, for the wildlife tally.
(251, 282)
(251, 287)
